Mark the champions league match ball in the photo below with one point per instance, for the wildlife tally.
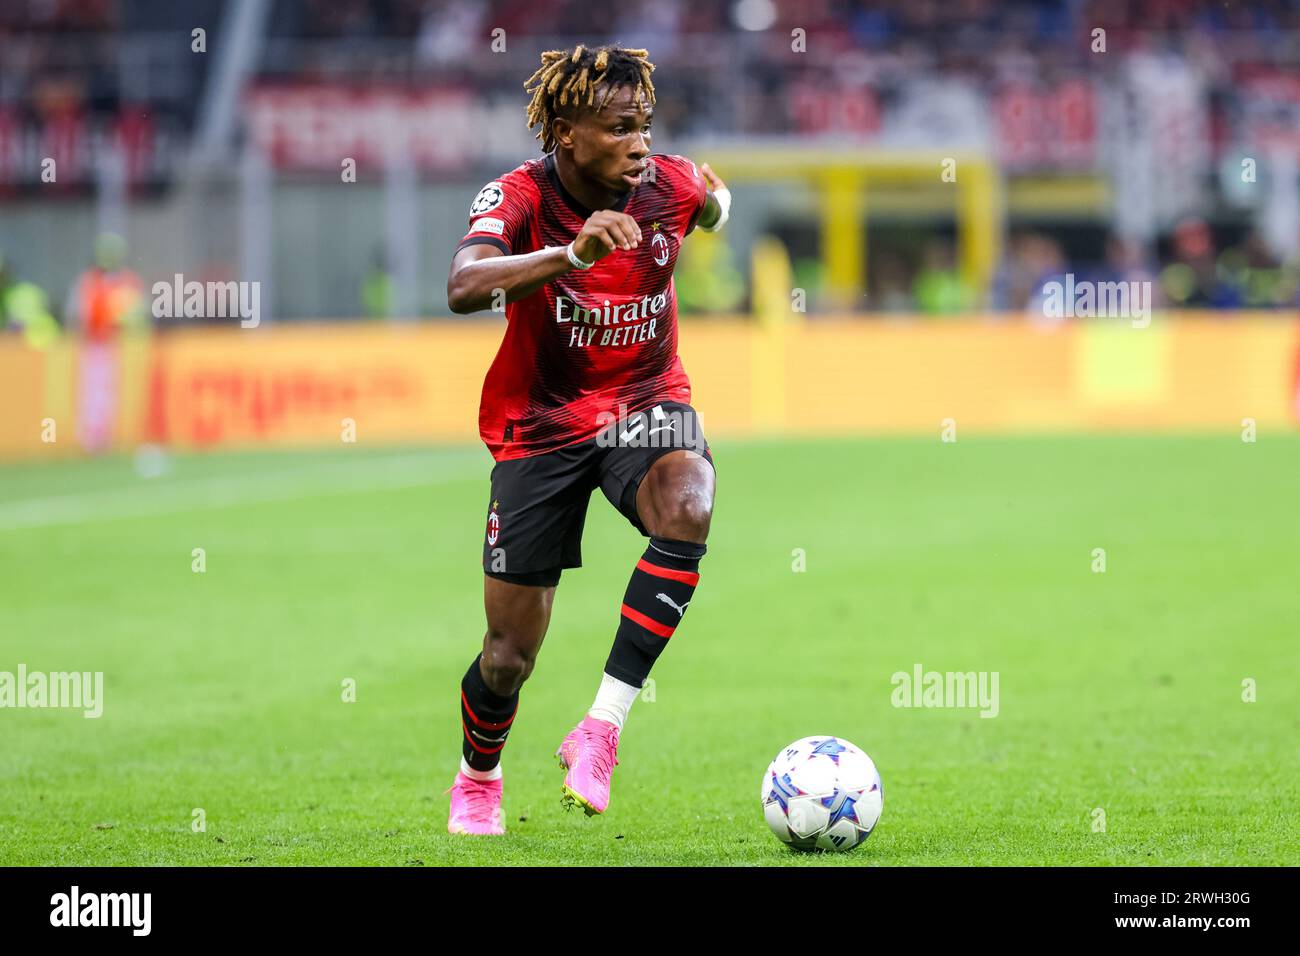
(822, 793)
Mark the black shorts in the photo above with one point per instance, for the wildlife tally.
(539, 504)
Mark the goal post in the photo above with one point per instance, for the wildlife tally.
(844, 180)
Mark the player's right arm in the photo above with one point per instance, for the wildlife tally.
(477, 271)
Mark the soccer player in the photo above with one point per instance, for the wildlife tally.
(586, 392)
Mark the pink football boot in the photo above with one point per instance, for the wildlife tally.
(475, 807)
(589, 753)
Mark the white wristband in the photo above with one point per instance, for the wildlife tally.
(573, 258)
(723, 196)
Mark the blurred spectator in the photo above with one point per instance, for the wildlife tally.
(1127, 261)
(25, 306)
(1031, 260)
(890, 290)
(106, 299)
(377, 289)
(1192, 280)
(938, 288)
(1256, 276)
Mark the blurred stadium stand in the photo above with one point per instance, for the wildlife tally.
(226, 163)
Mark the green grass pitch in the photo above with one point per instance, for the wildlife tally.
(1119, 690)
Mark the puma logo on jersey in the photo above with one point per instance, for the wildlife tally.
(679, 608)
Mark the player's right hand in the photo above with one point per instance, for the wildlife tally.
(604, 232)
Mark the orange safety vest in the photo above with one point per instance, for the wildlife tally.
(106, 299)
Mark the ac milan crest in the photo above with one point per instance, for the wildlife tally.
(659, 245)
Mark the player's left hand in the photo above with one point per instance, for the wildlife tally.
(712, 178)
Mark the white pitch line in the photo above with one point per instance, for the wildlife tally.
(156, 497)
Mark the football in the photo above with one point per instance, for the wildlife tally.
(822, 793)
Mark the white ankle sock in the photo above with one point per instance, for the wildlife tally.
(467, 770)
(613, 701)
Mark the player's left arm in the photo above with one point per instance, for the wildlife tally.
(717, 201)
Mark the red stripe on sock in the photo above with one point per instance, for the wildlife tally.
(686, 577)
(483, 750)
(649, 623)
(483, 723)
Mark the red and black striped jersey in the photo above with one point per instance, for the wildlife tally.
(590, 345)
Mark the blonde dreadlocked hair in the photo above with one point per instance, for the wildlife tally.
(567, 76)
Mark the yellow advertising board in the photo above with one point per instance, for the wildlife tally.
(309, 384)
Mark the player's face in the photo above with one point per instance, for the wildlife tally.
(611, 146)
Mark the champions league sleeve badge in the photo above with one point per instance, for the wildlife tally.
(488, 198)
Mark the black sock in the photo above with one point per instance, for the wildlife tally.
(485, 719)
(653, 606)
